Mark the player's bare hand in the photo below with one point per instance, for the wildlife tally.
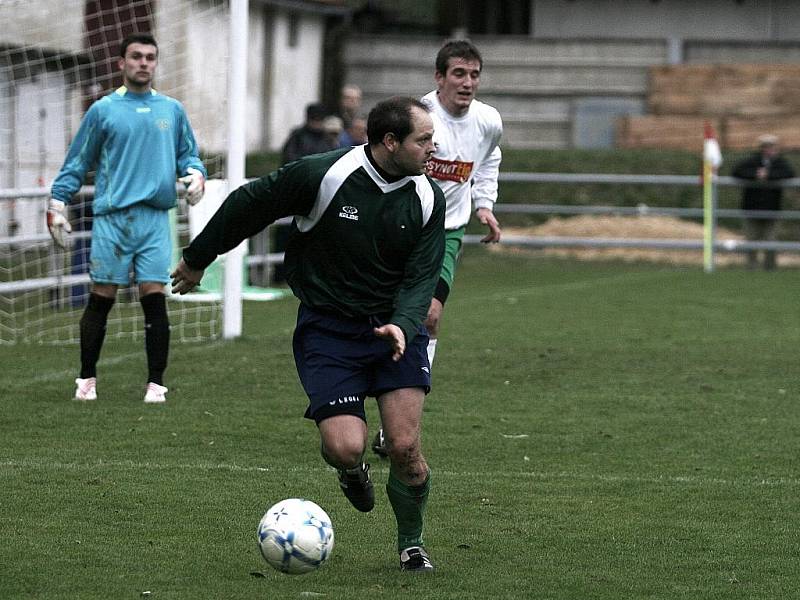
(486, 217)
(396, 338)
(184, 278)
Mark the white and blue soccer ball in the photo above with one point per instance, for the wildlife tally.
(295, 536)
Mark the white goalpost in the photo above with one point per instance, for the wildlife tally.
(56, 57)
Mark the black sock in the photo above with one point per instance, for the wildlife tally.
(93, 332)
(156, 335)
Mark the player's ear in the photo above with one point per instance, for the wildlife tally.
(121, 63)
(390, 141)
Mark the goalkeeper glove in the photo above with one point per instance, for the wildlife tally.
(57, 222)
(195, 185)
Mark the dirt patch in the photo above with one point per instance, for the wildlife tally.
(611, 226)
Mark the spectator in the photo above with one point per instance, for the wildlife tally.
(309, 138)
(763, 166)
(355, 135)
(332, 126)
(349, 103)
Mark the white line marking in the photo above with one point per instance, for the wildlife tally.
(572, 285)
(53, 375)
(33, 464)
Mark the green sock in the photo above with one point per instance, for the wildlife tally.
(408, 504)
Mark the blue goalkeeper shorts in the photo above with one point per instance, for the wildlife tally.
(138, 235)
(340, 362)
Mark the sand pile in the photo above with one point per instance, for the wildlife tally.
(628, 227)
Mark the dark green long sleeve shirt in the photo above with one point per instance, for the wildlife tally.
(360, 246)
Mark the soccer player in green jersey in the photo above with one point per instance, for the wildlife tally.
(363, 258)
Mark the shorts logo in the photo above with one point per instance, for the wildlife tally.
(349, 212)
(345, 400)
(426, 369)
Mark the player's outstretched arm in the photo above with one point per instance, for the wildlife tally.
(486, 217)
(396, 338)
(184, 278)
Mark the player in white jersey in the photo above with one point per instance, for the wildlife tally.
(466, 165)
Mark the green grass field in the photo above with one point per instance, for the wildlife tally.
(603, 431)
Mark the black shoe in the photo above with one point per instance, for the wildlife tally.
(416, 560)
(357, 486)
(379, 444)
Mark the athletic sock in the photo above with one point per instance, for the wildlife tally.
(93, 332)
(408, 503)
(156, 335)
(431, 350)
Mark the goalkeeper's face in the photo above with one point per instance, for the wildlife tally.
(138, 66)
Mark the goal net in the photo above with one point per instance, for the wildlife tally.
(56, 58)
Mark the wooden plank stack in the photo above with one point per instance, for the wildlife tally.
(741, 101)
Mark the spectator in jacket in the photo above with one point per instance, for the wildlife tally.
(764, 166)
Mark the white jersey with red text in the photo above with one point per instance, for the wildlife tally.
(467, 158)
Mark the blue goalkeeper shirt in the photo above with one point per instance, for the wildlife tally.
(138, 143)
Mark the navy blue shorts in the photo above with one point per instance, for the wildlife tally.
(340, 362)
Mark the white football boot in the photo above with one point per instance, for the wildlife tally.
(156, 394)
(87, 388)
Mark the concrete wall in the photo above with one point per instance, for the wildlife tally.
(23, 22)
(295, 75)
(539, 86)
(552, 93)
(283, 72)
(710, 19)
(285, 58)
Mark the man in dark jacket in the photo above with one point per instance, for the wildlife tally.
(309, 138)
(763, 166)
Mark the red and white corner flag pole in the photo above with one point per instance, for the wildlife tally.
(712, 159)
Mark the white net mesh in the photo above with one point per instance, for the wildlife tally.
(56, 58)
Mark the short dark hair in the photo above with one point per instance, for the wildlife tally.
(136, 38)
(456, 49)
(316, 112)
(392, 115)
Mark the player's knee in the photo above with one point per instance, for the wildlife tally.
(403, 448)
(409, 463)
(343, 453)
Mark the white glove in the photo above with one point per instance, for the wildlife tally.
(57, 222)
(195, 185)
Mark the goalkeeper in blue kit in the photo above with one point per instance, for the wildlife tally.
(139, 142)
(363, 258)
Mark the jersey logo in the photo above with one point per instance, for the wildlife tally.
(142, 109)
(449, 170)
(349, 212)
(162, 124)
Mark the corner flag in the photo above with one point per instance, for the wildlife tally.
(712, 159)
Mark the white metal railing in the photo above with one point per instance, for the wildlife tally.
(642, 209)
(547, 241)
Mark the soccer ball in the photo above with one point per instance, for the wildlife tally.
(295, 536)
